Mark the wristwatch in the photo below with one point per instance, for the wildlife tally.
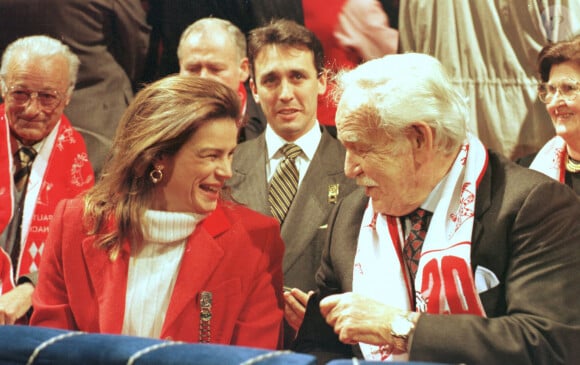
(402, 327)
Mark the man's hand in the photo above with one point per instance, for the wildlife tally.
(295, 306)
(359, 319)
(15, 303)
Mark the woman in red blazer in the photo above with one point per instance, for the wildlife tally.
(155, 249)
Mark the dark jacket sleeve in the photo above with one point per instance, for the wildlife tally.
(317, 338)
(29, 278)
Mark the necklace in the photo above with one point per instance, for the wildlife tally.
(572, 165)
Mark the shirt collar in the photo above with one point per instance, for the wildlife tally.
(308, 142)
(435, 196)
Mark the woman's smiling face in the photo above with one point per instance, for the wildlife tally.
(195, 175)
(565, 114)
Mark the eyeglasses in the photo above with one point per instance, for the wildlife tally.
(567, 89)
(48, 99)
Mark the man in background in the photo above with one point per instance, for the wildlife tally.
(111, 39)
(215, 48)
(43, 159)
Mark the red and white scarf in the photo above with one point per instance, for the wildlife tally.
(444, 282)
(60, 170)
(7, 199)
(6, 202)
(551, 159)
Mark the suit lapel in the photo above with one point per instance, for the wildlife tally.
(348, 232)
(249, 183)
(201, 257)
(109, 279)
(310, 206)
(482, 204)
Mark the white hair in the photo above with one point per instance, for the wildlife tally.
(402, 89)
(39, 46)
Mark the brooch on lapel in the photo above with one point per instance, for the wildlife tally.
(205, 300)
(333, 193)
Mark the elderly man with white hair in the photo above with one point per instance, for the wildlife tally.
(42, 160)
(452, 253)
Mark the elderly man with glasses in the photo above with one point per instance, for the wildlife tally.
(42, 160)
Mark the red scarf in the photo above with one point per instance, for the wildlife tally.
(6, 198)
(68, 173)
(6, 202)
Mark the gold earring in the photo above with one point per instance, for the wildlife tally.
(156, 175)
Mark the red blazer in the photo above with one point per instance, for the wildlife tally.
(235, 253)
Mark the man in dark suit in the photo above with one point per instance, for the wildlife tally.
(486, 275)
(288, 75)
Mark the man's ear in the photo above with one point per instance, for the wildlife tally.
(322, 82)
(421, 137)
(254, 91)
(244, 69)
(68, 96)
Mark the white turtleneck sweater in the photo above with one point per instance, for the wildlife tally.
(153, 269)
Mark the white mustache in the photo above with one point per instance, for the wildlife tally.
(366, 181)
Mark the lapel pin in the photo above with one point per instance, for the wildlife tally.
(333, 193)
(205, 301)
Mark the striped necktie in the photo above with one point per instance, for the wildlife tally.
(284, 183)
(23, 161)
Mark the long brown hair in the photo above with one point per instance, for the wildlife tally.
(161, 118)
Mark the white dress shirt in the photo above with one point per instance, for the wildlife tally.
(308, 143)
